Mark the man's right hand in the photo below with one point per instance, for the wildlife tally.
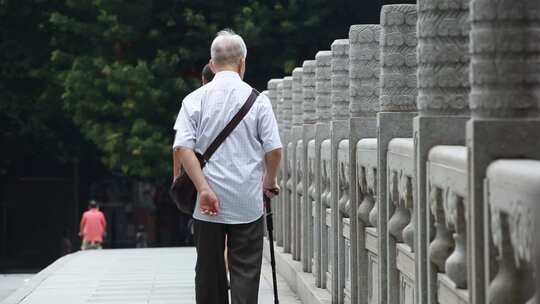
(270, 187)
(208, 202)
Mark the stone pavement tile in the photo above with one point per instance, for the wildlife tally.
(266, 293)
(10, 282)
(150, 276)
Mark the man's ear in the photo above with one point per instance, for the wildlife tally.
(212, 66)
(242, 67)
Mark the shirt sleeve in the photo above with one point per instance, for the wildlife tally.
(267, 126)
(185, 127)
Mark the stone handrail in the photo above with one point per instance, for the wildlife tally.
(384, 204)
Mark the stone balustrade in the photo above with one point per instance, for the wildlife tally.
(411, 164)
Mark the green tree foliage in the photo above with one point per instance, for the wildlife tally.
(33, 124)
(119, 68)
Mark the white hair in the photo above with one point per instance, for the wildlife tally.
(228, 48)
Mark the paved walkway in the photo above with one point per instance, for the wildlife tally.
(150, 276)
(11, 282)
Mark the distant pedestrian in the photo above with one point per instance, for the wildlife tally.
(230, 188)
(141, 237)
(93, 227)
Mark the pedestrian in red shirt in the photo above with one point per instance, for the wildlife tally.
(93, 226)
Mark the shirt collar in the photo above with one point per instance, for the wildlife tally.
(227, 75)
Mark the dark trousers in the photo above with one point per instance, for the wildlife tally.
(245, 245)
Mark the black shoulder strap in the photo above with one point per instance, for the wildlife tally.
(231, 125)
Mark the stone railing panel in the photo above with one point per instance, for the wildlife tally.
(368, 253)
(447, 167)
(326, 199)
(400, 206)
(513, 197)
(314, 232)
(345, 211)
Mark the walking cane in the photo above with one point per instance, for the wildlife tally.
(270, 229)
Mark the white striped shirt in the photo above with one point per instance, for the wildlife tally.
(236, 169)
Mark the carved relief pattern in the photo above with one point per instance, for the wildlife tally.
(297, 97)
(323, 86)
(340, 79)
(504, 84)
(364, 69)
(308, 92)
(398, 58)
(443, 56)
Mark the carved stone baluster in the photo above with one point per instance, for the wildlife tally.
(508, 285)
(299, 200)
(442, 245)
(344, 202)
(365, 197)
(374, 213)
(401, 216)
(407, 200)
(312, 197)
(456, 264)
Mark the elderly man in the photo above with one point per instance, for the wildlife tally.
(230, 186)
